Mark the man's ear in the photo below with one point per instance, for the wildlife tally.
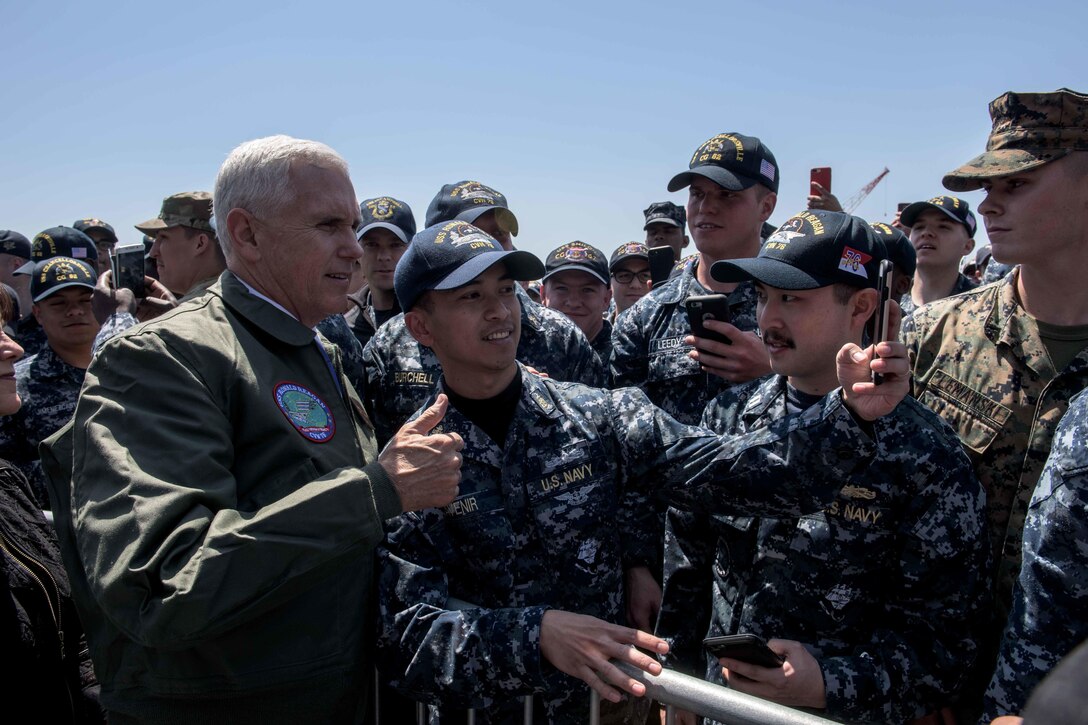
(767, 205)
(863, 305)
(419, 325)
(242, 231)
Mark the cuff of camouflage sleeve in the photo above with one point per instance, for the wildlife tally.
(386, 499)
(846, 693)
(527, 657)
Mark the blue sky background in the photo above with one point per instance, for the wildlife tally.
(579, 112)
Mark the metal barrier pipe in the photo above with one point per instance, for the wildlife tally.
(714, 701)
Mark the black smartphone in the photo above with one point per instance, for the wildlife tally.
(744, 647)
(661, 261)
(127, 264)
(704, 307)
(884, 293)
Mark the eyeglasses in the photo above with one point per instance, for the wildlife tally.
(625, 277)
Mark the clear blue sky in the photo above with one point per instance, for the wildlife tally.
(579, 112)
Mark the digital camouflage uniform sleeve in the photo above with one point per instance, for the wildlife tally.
(552, 344)
(687, 582)
(336, 330)
(114, 325)
(474, 657)
(1050, 601)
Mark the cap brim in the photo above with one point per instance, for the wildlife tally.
(722, 177)
(59, 287)
(624, 258)
(770, 272)
(506, 219)
(575, 268)
(27, 268)
(661, 220)
(384, 225)
(151, 226)
(1001, 162)
(520, 265)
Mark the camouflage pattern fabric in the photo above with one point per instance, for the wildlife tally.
(401, 373)
(602, 343)
(995, 270)
(49, 389)
(883, 587)
(979, 362)
(539, 524)
(963, 284)
(114, 325)
(1050, 601)
(29, 334)
(649, 350)
(336, 330)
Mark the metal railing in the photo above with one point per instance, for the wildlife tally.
(679, 691)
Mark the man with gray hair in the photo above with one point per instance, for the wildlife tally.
(226, 492)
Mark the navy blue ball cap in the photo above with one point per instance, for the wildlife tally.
(60, 242)
(664, 212)
(385, 212)
(452, 254)
(953, 207)
(56, 273)
(733, 161)
(577, 257)
(812, 249)
(897, 244)
(467, 201)
(14, 243)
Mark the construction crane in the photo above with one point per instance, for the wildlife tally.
(855, 201)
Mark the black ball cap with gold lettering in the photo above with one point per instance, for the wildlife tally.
(60, 242)
(733, 161)
(57, 273)
(953, 207)
(813, 249)
(467, 201)
(452, 254)
(385, 212)
(85, 225)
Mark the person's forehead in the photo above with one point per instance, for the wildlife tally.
(661, 227)
(69, 294)
(381, 235)
(573, 278)
(934, 215)
(632, 265)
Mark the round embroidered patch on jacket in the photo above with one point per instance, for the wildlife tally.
(305, 411)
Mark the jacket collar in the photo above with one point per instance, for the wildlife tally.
(273, 321)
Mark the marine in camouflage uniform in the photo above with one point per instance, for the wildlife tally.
(883, 586)
(401, 373)
(981, 361)
(1050, 601)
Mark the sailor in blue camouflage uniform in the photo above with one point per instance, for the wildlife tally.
(733, 186)
(533, 544)
(388, 226)
(49, 381)
(401, 373)
(53, 242)
(576, 284)
(873, 600)
(1050, 600)
(942, 232)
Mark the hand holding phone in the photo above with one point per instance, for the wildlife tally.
(745, 648)
(708, 307)
(881, 316)
(820, 175)
(127, 265)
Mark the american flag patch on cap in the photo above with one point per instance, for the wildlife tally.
(79, 253)
(767, 169)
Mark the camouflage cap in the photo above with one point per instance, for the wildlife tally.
(1029, 130)
(191, 209)
(85, 225)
